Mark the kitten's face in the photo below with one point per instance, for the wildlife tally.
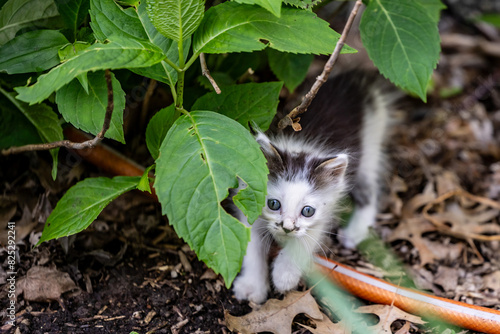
(303, 189)
(294, 209)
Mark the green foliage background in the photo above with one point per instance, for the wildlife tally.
(53, 54)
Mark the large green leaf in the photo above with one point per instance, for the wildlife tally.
(203, 155)
(119, 53)
(176, 19)
(247, 103)
(233, 27)
(288, 67)
(161, 72)
(34, 51)
(158, 127)
(45, 121)
(274, 6)
(73, 13)
(15, 129)
(110, 19)
(86, 111)
(82, 203)
(402, 39)
(19, 14)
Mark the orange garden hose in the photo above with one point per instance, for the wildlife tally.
(468, 316)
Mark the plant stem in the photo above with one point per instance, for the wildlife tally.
(191, 60)
(180, 79)
(291, 119)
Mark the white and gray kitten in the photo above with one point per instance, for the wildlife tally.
(339, 151)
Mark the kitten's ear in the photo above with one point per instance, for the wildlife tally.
(270, 152)
(334, 168)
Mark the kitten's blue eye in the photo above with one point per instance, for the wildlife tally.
(308, 211)
(273, 204)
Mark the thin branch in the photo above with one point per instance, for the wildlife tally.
(206, 72)
(69, 144)
(291, 118)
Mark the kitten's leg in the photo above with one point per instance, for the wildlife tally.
(252, 283)
(361, 221)
(366, 189)
(289, 265)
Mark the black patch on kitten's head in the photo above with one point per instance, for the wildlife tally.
(288, 166)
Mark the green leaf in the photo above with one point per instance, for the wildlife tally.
(87, 111)
(119, 53)
(19, 14)
(45, 121)
(402, 40)
(433, 8)
(109, 19)
(158, 127)
(161, 72)
(233, 27)
(274, 6)
(34, 51)
(493, 19)
(247, 103)
(288, 67)
(82, 203)
(70, 50)
(304, 4)
(15, 129)
(176, 19)
(73, 13)
(203, 155)
(144, 183)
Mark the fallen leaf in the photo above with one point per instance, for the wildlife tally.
(447, 278)
(411, 229)
(405, 329)
(492, 281)
(387, 314)
(276, 316)
(326, 326)
(42, 284)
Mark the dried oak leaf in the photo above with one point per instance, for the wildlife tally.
(276, 316)
(411, 229)
(326, 326)
(387, 315)
(43, 284)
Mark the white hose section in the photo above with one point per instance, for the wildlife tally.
(407, 293)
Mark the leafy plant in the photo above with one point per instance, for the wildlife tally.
(200, 151)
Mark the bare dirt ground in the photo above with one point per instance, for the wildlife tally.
(130, 272)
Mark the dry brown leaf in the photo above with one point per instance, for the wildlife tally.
(326, 326)
(275, 315)
(387, 315)
(411, 229)
(492, 281)
(43, 284)
(447, 278)
(465, 216)
(405, 329)
(419, 200)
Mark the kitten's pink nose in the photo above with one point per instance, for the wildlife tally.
(288, 225)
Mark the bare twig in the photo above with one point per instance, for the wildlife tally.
(291, 118)
(69, 144)
(206, 72)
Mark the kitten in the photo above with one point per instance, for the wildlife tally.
(338, 151)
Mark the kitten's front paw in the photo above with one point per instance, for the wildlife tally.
(350, 237)
(285, 277)
(250, 288)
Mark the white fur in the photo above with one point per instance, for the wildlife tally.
(375, 127)
(299, 245)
